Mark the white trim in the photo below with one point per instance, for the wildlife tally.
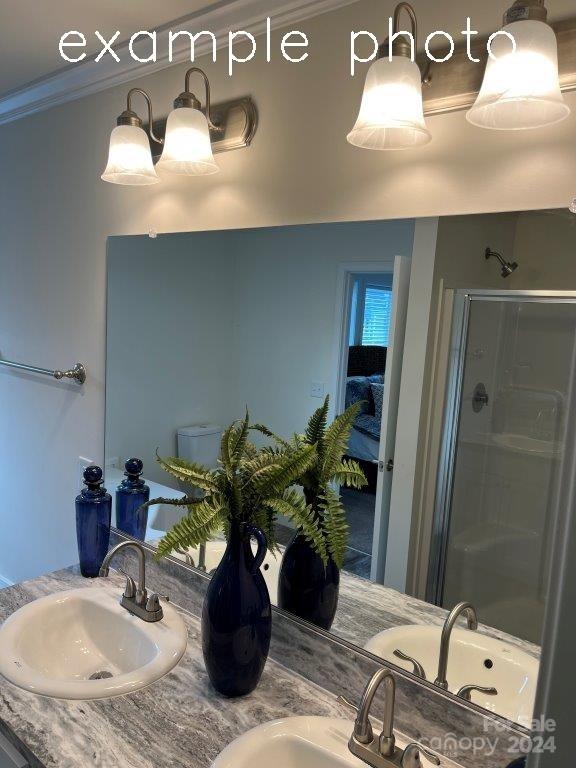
(4, 582)
(410, 404)
(79, 80)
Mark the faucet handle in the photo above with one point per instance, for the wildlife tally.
(153, 602)
(347, 703)
(418, 668)
(130, 588)
(466, 691)
(412, 753)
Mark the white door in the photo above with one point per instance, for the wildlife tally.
(400, 288)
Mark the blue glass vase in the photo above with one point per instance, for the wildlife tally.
(93, 518)
(237, 617)
(131, 494)
(306, 587)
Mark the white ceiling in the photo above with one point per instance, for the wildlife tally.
(30, 30)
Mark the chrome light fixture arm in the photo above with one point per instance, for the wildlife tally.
(130, 117)
(188, 99)
(400, 46)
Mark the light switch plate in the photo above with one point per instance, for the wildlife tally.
(317, 389)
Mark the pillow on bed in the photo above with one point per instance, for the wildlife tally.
(358, 388)
(377, 396)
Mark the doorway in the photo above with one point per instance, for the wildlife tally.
(374, 300)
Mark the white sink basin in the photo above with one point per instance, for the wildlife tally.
(474, 659)
(295, 742)
(300, 742)
(54, 645)
(270, 568)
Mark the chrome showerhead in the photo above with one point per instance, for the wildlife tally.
(507, 266)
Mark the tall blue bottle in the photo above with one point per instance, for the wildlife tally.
(93, 518)
(131, 494)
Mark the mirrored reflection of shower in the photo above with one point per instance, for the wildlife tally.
(506, 432)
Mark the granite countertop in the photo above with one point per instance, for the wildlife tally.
(179, 721)
(365, 609)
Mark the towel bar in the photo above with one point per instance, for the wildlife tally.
(77, 373)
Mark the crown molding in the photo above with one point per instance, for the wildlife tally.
(86, 78)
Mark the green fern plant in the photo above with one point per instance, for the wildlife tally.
(319, 513)
(249, 486)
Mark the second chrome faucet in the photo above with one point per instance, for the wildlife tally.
(381, 751)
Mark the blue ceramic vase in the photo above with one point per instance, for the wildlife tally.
(306, 587)
(131, 494)
(237, 617)
(93, 518)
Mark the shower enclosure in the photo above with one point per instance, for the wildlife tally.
(511, 374)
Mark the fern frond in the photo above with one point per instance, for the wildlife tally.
(350, 474)
(202, 521)
(233, 444)
(265, 519)
(285, 471)
(184, 501)
(263, 429)
(335, 526)
(336, 443)
(316, 428)
(293, 506)
(188, 472)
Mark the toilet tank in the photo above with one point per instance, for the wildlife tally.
(200, 443)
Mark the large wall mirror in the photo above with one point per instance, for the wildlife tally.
(457, 338)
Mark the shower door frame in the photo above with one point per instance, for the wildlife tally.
(463, 299)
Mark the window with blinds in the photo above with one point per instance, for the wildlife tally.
(376, 320)
(370, 310)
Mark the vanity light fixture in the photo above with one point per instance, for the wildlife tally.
(521, 87)
(391, 113)
(129, 157)
(184, 143)
(187, 148)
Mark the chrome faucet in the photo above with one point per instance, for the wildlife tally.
(135, 599)
(467, 690)
(453, 616)
(382, 752)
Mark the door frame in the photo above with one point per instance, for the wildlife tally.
(463, 299)
(346, 273)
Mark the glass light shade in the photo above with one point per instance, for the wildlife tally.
(521, 90)
(391, 113)
(187, 148)
(130, 158)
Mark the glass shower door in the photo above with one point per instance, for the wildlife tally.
(517, 359)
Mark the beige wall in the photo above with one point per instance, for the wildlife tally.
(55, 216)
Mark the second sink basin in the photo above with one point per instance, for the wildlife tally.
(473, 659)
(81, 644)
(298, 742)
(295, 742)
